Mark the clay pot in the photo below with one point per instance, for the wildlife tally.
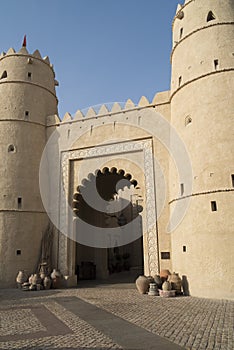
(167, 293)
(164, 274)
(30, 279)
(42, 275)
(176, 282)
(36, 279)
(158, 281)
(153, 290)
(166, 286)
(151, 279)
(47, 282)
(43, 270)
(142, 284)
(21, 278)
(56, 279)
(32, 287)
(55, 274)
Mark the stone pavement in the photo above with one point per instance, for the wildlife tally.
(117, 317)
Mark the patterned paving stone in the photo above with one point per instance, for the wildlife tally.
(19, 322)
(192, 323)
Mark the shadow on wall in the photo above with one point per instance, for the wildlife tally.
(185, 286)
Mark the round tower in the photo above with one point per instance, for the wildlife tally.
(27, 95)
(202, 105)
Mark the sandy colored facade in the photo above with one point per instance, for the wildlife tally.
(175, 153)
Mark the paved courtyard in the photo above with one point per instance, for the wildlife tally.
(113, 317)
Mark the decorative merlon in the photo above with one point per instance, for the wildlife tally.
(178, 8)
(159, 98)
(23, 51)
(116, 107)
(129, 104)
(91, 113)
(78, 115)
(103, 110)
(143, 102)
(53, 120)
(46, 59)
(10, 51)
(67, 117)
(37, 54)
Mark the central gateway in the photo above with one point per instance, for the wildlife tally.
(98, 172)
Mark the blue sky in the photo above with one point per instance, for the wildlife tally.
(102, 50)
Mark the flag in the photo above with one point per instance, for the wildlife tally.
(24, 41)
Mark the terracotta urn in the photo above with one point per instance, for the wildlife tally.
(151, 279)
(36, 279)
(30, 279)
(176, 282)
(166, 286)
(158, 281)
(43, 270)
(164, 275)
(142, 284)
(55, 273)
(56, 279)
(21, 278)
(47, 282)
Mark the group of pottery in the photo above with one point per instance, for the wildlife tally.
(165, 285)
(39, 281)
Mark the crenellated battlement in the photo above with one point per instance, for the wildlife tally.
(24, 52)
(115, 108)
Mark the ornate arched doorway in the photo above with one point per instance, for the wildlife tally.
(134, 155)
(121, 204)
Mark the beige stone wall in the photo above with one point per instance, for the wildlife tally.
(116, 127)
(205, 98)
(19, 231)
(20, 169)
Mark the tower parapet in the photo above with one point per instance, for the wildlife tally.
(23, 75)
(202, 41)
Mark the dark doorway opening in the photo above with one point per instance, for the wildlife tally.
(119, 263)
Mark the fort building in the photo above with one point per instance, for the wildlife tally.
(170, 160)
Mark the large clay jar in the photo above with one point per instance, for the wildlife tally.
(166, 286)
(164, 274)
(43, 270)
(158, 281)
(47, 282)
(176, 282)
(21, 278)
(55, 273)
(36, 279)
(151, 279)
(56, 279)
(142, 284)
(30, 279)
(42, 275)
